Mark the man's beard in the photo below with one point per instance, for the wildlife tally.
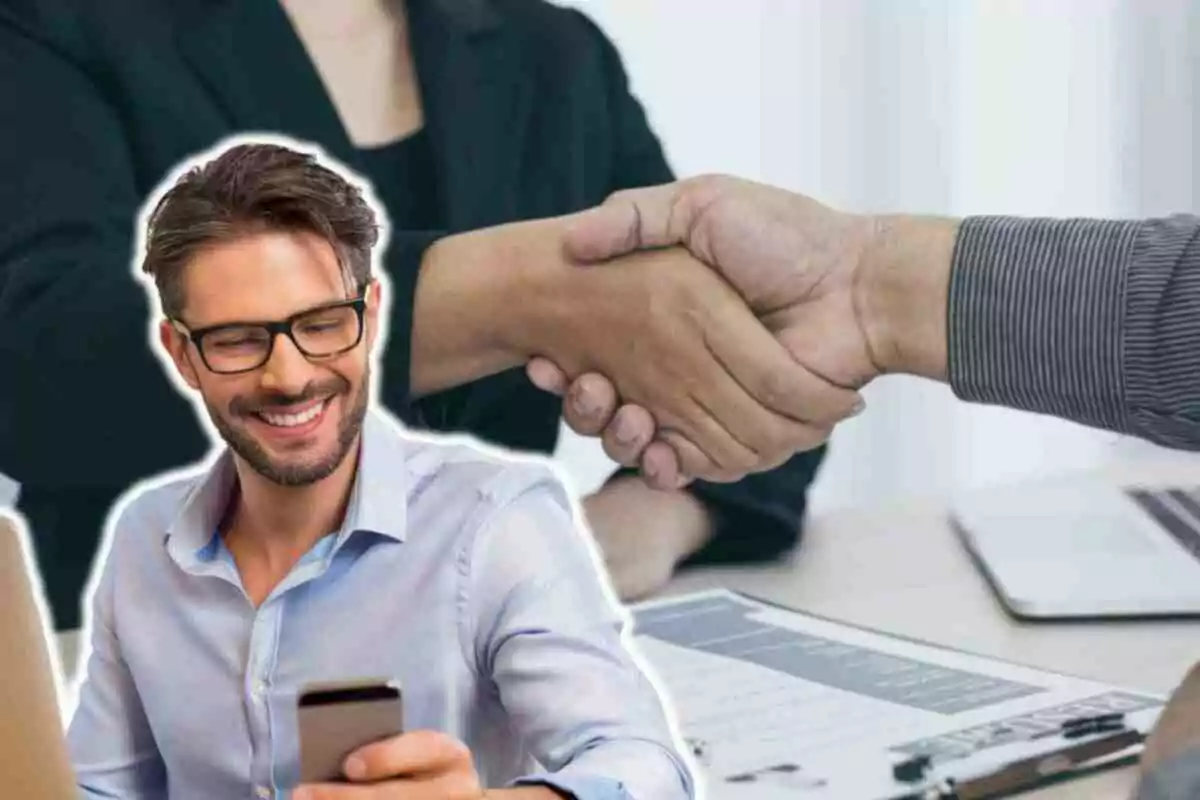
(284, 474)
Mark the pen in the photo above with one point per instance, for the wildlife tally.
(1101, 723)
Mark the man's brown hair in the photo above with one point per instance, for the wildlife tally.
(248, 189)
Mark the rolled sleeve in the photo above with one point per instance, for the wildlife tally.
(1091, 320)
(405, 253)
(550, 637)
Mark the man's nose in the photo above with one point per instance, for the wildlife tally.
(287, 371)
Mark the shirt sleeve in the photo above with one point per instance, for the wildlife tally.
(1096, 321)
(546, 631)
(1177, 778)
(112, 748)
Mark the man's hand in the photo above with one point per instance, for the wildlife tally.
(422, 765)
(831, 286)
(1178, 728)
(637, 564)
(627, 431)
(795, 261)
(674, 338)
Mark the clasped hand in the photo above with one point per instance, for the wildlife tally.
(763, 296)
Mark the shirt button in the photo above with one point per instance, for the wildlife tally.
(263, 792)
(260, 689)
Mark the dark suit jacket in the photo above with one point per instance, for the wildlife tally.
(530, 116)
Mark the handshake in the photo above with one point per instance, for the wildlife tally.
(715, 327)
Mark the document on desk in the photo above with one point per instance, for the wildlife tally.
(781, 704)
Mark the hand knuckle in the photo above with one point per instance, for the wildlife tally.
(703, 190)
(779, 390)
(703, 183)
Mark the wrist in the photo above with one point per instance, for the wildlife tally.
(476, 301)
(901, 293)
(684, 523)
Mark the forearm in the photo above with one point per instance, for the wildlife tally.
(683, 522)
(475, 301)
(639, 564)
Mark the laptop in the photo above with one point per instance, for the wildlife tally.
(1086, 548)
(33, 751)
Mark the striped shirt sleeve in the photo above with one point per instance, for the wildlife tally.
(1095, 321)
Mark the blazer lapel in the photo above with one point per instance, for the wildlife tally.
(476, 92)
(251, 60)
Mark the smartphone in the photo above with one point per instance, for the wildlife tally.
(335, 719)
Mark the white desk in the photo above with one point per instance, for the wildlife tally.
(902, 570)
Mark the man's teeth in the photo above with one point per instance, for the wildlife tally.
(292, 420)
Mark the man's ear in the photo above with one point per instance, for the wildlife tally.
(176, 344)
(371, 313)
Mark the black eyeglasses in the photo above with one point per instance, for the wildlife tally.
(321, 332)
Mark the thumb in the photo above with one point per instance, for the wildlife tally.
(633, 219)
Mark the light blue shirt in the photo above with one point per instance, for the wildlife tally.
(463, 575)
(1177, 778)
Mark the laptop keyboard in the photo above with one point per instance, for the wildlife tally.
(1177, 511)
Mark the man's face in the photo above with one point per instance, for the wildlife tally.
(295, 418)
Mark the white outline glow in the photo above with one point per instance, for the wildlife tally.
(69, 690)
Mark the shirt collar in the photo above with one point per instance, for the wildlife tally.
(378, 498)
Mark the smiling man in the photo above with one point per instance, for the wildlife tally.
(327, 544)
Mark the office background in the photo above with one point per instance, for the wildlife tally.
(1029, 107)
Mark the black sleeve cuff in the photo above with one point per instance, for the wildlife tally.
(402, 262)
